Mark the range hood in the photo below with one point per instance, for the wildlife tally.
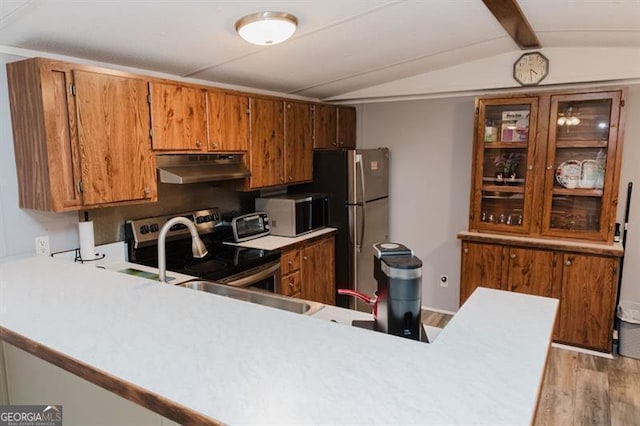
(196, 168)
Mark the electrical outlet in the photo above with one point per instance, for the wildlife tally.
(42, 245)
(444, 281)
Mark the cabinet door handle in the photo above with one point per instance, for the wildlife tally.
(304, 257)
(466, 250)
(568, 263)
(513, 255)
(215, 145)
(282, 179)
(530, 167)
(290, 262)
(550, 166)
(146, 192)
(198, 144)
(290, 178)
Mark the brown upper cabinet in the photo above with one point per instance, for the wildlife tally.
(81, 136)
(86, 136)
(178, 117)
(266, 156)
(326, 126)
(298, 136)
(548, 165)
(228, 121)
(335, 127)
(346, 127)
(281, 145)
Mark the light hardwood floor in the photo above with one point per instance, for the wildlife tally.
(581, 389)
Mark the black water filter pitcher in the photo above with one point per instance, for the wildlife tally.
(399, 296)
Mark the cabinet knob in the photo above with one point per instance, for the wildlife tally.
(198, 144)
(215, 145)
(290, 178)
(466, 250)
(290, 262)
(513, 255)
(335, 144)
(568, 263)
(530, 167)
(550, 166)
(146, 192)
(281, 179)
(304, 257)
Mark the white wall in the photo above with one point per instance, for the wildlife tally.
(631, 173)
(431, 144)
(431, 149)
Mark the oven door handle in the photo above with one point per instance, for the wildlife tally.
(256, 275)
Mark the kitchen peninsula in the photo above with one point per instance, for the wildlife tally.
(203, 359)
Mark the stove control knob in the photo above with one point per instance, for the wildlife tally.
(154, 227)
(144, 229)
(200, 219)
(208, 218)
(216, 216)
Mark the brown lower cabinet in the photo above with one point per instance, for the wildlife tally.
(585, 284)
(308, 270)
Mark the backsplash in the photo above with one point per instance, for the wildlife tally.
(109, 222)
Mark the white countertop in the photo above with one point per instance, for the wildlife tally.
(274, 242)
(239, 362)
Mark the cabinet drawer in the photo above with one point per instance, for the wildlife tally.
(291, 284)
(290, 261)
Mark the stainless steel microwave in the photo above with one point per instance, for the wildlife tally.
(291, 215)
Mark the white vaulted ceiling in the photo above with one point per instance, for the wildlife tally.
(341, 46)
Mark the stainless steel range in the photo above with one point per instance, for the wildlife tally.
(225, 264)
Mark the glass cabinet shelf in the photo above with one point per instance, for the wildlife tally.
(578, 192)
(581, 144)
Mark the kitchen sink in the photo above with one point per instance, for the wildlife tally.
(264, 298)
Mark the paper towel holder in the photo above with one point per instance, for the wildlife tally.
(79, 258)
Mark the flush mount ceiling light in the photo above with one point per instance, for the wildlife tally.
(267, 28)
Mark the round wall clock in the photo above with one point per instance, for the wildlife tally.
(531, 68)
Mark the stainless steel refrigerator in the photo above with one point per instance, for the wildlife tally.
(357, 184)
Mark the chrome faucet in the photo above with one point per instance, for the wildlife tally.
(197, 246)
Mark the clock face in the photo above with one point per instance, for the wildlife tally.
(531, 68)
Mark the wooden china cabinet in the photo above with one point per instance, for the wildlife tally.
(545, 181)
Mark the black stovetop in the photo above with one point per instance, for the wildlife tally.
(222, 260)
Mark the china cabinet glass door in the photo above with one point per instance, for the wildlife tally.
(503, 185)
(583, 133)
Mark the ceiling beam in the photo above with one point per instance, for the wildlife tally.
(510, 16)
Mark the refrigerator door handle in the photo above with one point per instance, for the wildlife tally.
(363, 204)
